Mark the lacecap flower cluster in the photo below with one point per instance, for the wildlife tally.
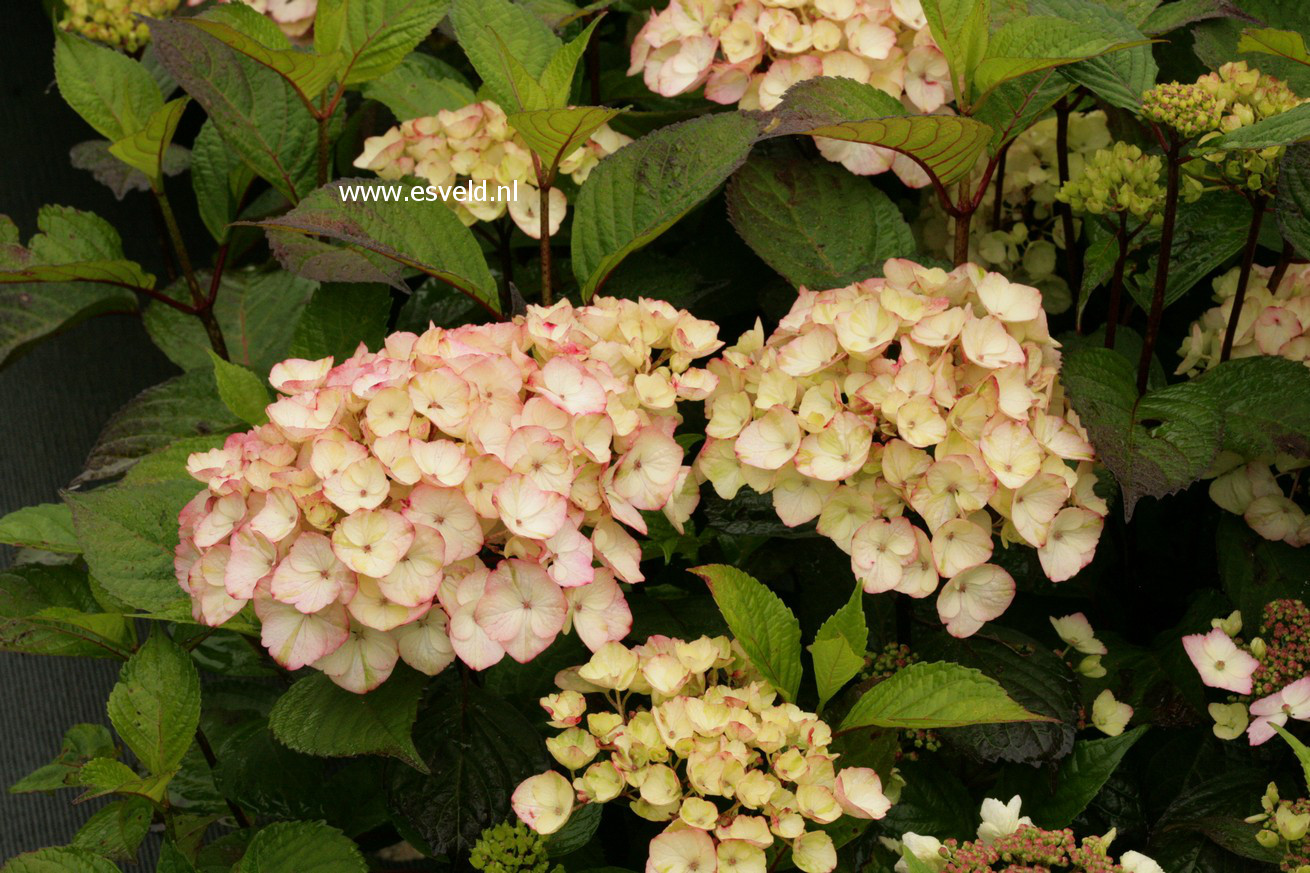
(1268, 677)
(1283, 826)
(1272, 322)
(294, 17)
(476, 145)
(114, 22)
(451, 494)
(927, 392)
(1008, 841)
(1244, 97)
(716, 754)
(749, 52)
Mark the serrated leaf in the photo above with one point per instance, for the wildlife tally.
(1285, 128)
(155, 707)
(947, 145)
(59, 860)
(30, 313)
(256, 312)
(1299, 748)
(338, 318)
(1119, 77)
(48, 526)
(71, 245)
(128, 534)
(640, 191)
(173, 860)
(815, 223)
(1264, 404)
(419, 86)
(1292, 202)
(1216, 41)
(182, 407)
(933, 801)
(388, 240)
(1286, 44)
(767, 630)
(145, 149)
(492, 31)
(94, 157)
(1155, 445)
(373, 36)
(1081, 777)
(104, 776)
(301, 847)
(113, 93)
(242, 392)
(1179, 13)
(81, 743)
(235, 25)
(839, 647)
(1017, 104)
(1208, 233)
(319, 718)
(554, 134)
(936, 694)
(219, 178)
(557, 78)
(1041, 42)
(960, 29)
(51, 610)
(116, 830)
(258, 113)
(479, 748)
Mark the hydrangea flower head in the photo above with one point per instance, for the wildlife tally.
(1119, 179)
(1189, 109)
(916, 418)
(460, 493)
(711, 752)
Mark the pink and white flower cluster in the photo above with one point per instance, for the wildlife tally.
(749, 52)
(927, 392)
(732, 769)
(462, 492)
(1272, 322)
(475, 144)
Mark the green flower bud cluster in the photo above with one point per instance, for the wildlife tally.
(511, 848)
(1189, 109)
(1284, 823)
(113, 21)
(1118, 179)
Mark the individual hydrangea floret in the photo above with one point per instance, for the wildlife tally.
(475, 145)
(711, 750)
(1269, 677)
(1118, 179)
(1190, 109)
(294, 17)
(511, 848)
(114, 22)
(923, 392)
(463, 492)
(750, 52)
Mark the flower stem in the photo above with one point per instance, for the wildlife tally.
(1162, 264)
(543, 191)
(998, 200)
(1284, 261)
(1117, 283)
(204, 309)
(1064, 210)
(1243, 275)
(963, 216)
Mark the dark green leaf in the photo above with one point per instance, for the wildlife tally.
(63, 860)
(219, 178)
(494, 32)
(338, 318)
(81, 743)
(419, 86)
(936, 695)
(1120, 77)
(30, 313)
(155, 707)
(113, 93)
(94, 157)
(115, 831)
(933, 801)
(301, 847)
(767, 630)
(576, 833)
(1292, 202)
(47, 526)
(50, 610)
(1081, 777)
(242, 392)
(373, 36)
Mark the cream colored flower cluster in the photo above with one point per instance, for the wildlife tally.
(451, 494)
(733, 770)
(749, 52)
(294, 17)
(1244, 97)
(114, 21)
(475, 146)
(1272, 322)
(1027, 241)
(924, 391)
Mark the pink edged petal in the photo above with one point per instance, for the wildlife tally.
(973, 598)
(415, 578)
(210, 602)
(295, 639)
(529, 511)
(424, 644)
(522, 609)
(447, 511)
(566, 383)
(471, 642)
(599, 612)
(618, 551)
(253, 558)
(544, 802)
(363, 662)
(571, 558)
(310, 577)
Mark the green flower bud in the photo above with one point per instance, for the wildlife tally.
(1189, 109)
(510, 848)
(1268, 839)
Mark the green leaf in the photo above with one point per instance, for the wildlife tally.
(1179, 13)
(338, 318)
(128, 533)
(554, 134)
(243, 392)
(81, 743)
(1283, 43)
(94, 157)
(51, 610)
(815, 223)
(382, 241)
(319, 718)
(839, 647)
(1017, 104)
(115, 831)
(59, 860)
(576, 833)
(936, 694)
(946, 145)
(1119, 77)
(640, 191)
(185, 406)
(1208, 233)
(768, 631)
(113, 93)
(1292, 202)
(155, 707)
(495, 34)
(1299, 748)
(236, 26)
(1041, 42)
(419, 86)
(30, 313)
(1285, 128)
(72, 245)
(172, 860)
(373, 36)
(48, 526)
(257, 313)
(912, 862)
(1218, 41)
(1155, 445)
(933, 801)
(219, 178)
(1080, 778)
(479, 748)
(557, 78)
(301, 847)
(1264, 402)
(960, 29)
(103, 776)
(258, 113)
(146, 149)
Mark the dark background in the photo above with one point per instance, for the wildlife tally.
(53, 402)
